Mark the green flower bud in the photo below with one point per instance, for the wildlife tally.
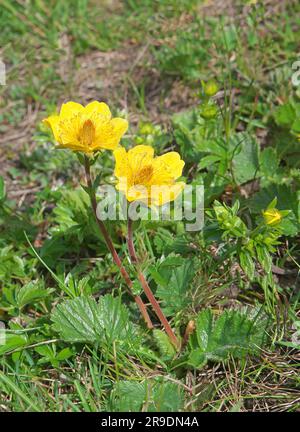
(147, 129)
(208, 111)
(210, 88)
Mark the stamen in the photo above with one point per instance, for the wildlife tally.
(87, 133)
(144, 175)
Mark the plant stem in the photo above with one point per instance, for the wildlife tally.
(147, 288)
(109, 243)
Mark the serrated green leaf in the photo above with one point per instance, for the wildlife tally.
(84, 320)
(31, 293)
(235, 333)
(166, 348)
(155, 395)
(174, 293)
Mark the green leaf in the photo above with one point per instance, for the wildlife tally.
(184, 123)
(287, 199)
(296, 126)
(264, 258)
(247, 263)
(84, 320)
(72, 209)
(31, 293)
(166, 348)
(175, 291)
(206, 161)
(230, 37)
(12, 342)
(155, 395)
(64, 354)
(269, 162)
(285, 115)
(215, 146)
(235, 333)
(11, 265)
(166, 243)
(228, 220)
(130, 396)
(245, 161)
(80, 157)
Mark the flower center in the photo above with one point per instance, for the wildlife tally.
(144, 175)
(87, 133)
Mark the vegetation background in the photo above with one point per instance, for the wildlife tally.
(147, 60)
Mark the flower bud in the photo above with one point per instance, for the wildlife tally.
(272, 216)
(208, 112)
(210, 88)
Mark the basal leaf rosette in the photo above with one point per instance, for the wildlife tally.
(86, 129)
(146, 178)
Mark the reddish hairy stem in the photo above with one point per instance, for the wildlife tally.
(109, 243)
(147, 288)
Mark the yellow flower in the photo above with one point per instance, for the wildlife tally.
(272, 216)
(86, 129)
(146, 178)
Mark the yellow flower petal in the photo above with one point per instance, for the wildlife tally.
(141, 150)
(69, 109)
(108, 132)
(70, 131)
(52, 122)
(119, 125)
(272, 216)
(105, 139)
(98, 108)
(138, 192)
(172, 163)
(145, 178)
(161, 195)
(74, 147)
(87, 129)
(121, 167)
(140, 157)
